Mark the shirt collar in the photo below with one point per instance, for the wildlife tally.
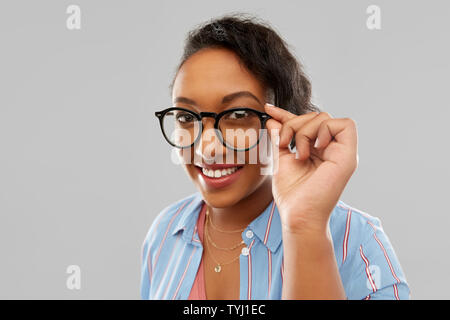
(267, 226)
(188, 217)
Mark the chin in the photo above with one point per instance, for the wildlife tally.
(221, 185)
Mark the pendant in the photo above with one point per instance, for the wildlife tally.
(217, 268)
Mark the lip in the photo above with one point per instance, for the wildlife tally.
(221, 182)
(218, 166)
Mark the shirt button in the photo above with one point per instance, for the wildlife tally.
(245, 251)
(249, 234)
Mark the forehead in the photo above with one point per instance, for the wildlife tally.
(212, 73)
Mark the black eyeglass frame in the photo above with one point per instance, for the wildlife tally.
(263, 117)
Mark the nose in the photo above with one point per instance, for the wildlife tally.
(209, 148)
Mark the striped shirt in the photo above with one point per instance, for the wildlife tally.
(172, 252)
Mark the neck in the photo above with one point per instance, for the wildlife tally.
(245, 211)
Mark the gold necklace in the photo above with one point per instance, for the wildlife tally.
(220, 230)
(219, 265)
(221, 248)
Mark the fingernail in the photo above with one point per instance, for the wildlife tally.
(297, 154)
(316, 144)
(270, 105)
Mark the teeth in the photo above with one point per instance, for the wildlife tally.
(218, 173)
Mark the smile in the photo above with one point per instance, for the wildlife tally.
(217, 177)
(219, 173)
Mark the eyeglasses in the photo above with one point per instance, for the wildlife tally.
(238, 129)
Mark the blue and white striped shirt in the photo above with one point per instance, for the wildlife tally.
(172, 251)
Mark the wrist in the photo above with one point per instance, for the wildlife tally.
(319, 234)
(315, 246)
(316, 226)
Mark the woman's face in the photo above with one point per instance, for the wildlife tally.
(205, 79)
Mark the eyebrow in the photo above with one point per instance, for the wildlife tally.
(226, 99)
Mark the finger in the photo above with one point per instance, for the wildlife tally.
(292, 126)
(324, 136)
(343, 130)
(273, 129)
(284, 116)
(278, 113)
(273, 126)
(307, 134)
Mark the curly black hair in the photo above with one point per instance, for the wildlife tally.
(262, 51)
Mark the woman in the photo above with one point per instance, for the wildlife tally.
(246, 234)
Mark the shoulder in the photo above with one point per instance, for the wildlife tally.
(346, 217)
(168, 217)
(351, 228)
(368, 263)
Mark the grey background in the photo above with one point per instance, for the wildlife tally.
(84, 169)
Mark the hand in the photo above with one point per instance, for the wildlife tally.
(307, 188)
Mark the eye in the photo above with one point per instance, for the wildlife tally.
(238, 114)
(185, 117)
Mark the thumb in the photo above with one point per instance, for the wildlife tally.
(273, 126)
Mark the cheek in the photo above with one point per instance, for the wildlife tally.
(260, 155)
(252, 174)
(183, 156)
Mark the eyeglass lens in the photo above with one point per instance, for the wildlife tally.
(239, 129)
